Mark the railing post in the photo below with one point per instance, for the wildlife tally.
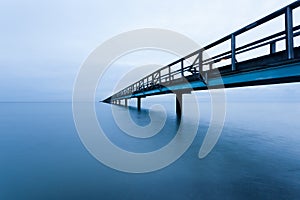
(169, 73)
(153, 79)
(289, 33)
(159, 76)
(142, 84)
(182, 67)
(233, 66)
(200, 62)
(272, 47)
(147, 81)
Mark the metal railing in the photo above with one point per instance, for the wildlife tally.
(172, 72)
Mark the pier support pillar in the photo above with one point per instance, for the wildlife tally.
(179, 103)
(139, 103)
(126, 103)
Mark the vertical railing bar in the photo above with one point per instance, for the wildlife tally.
(153, 79)
(147, 81)
(272, 47)
(169, 73)
(289, 32)
(200, 61)
(182, 67)
(159, 77)
(233, 64)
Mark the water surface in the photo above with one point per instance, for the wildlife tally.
(256, 157)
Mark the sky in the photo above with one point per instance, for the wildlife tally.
(44, 43)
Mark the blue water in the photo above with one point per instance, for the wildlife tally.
(256, 157)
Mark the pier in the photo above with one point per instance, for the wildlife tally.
(195, 72)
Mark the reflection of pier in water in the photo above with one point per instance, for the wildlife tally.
(181, 77)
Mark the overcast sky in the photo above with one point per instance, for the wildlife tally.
(43, 43)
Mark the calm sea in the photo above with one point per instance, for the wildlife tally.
(256, 157)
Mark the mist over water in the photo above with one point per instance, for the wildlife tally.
(256, 157)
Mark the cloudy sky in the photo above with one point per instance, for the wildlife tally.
(44, 43)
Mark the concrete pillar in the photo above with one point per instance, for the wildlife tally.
(139, 103)
(126, 103)
(179, 103)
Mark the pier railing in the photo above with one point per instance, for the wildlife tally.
(199, 67)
